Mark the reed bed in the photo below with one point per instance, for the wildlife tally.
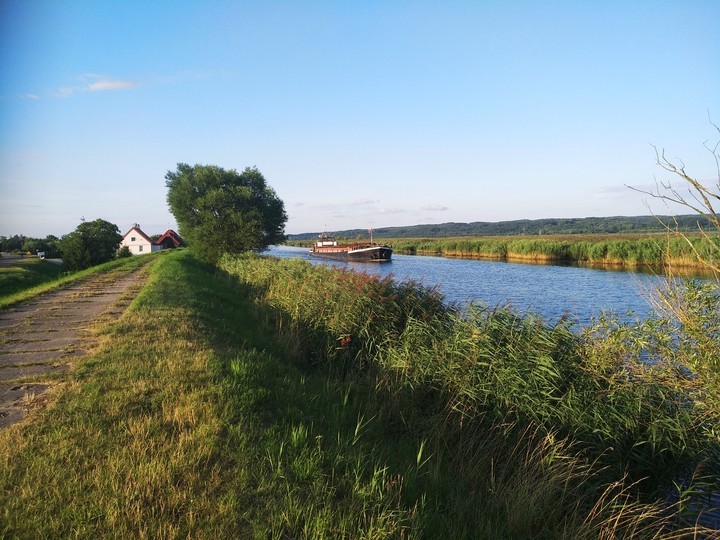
(633, 251)
(614, 406)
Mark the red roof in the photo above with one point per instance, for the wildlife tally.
(173, 237)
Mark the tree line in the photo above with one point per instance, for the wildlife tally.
(26, 244)
(90, 244)
(526, 227)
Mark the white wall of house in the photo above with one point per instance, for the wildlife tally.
(137, 243)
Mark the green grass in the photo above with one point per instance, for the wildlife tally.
(462, 375)
(26, 273)
(29, 278)
(191, 421)
(273, 399)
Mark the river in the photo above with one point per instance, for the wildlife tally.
(549, 290)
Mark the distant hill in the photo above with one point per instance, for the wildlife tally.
(590, 225)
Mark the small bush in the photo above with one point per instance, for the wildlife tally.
(124, 252)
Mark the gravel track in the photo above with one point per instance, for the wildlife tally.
(43, 338)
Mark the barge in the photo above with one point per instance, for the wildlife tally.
(328, 248)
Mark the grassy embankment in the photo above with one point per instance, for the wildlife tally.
(24, 274)
(26, 278)
(621, 250)
(245, 403)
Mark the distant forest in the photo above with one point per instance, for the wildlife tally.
(590, 225)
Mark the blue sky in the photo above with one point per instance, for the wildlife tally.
(359, 114)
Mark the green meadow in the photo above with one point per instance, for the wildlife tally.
(269, 398)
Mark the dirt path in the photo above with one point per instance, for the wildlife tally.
(42, 338)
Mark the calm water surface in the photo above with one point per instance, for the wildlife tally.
(552, 291)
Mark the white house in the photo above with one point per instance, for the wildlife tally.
(138, 242)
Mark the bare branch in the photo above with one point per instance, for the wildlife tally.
(700, 199)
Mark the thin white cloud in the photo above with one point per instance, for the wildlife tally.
(97, 82)
(111, 84)
(435, 208)
(395, 210)
(365, 201)
(93, 82)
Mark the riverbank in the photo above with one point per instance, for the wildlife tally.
(652, 251)
(241, 402)
(633, 251)
(459, 376)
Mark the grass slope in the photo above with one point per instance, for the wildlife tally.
(28, 278)
(21, 274)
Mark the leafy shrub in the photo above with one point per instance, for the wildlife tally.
(124, 252)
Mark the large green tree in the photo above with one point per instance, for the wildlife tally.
(222, 211)
(91, 243)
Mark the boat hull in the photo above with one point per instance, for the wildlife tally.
(354, 253)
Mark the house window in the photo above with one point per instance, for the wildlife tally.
(132, 238)
(140, 248)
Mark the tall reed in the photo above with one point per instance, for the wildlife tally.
(457, 377)
(656, 251)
